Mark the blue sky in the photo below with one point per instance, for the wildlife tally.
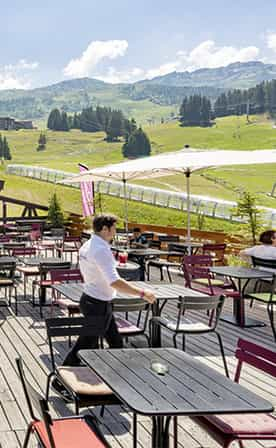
(123, 41)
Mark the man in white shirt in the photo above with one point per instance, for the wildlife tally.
(267, 248)
(101, 280)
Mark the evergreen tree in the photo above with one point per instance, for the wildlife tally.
(64, 122)
(5, 152)
(54, 120)
(138, 145)
(115, 128)
(195, 111)
(1, 147)
(55, 214)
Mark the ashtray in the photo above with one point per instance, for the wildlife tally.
(159, 367)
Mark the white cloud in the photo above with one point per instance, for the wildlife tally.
(94, 53)
(17, 76)
(206, 55)
(271, 41)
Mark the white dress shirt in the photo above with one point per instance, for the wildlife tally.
(266, 251)
(98, 268)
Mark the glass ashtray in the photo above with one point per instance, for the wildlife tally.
(159, 367)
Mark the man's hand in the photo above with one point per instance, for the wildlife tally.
(149, 296)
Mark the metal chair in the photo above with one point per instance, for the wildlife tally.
(216, 251)
(69, 245)
(226, 429)
(26, 271)
(84, 387)
(8, 282)
(197, 275)
(65, 276)
(181, 325)
(43, 282)
(164, 263)
(65, 432)
(126, 328)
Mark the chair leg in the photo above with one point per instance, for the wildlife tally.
(271, 318)
(161, 274)
(174, 340)
(15, 300)
(102, 411)
(183, 342)
(48, 386)
(77, 408)
(27, 437)
(169, 274)
(222, 353)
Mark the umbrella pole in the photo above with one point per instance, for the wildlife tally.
(126, 207)
(188, 174)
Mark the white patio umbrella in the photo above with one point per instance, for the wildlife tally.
(172, 163)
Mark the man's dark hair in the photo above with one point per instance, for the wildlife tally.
(267, 236)
(137, 229)
(103, 220)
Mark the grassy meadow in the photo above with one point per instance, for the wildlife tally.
(65, 149)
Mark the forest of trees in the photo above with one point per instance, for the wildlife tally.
(256, 100)
(196, 110)
(112, 122)
(5, 153)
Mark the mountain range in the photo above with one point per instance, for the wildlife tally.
(145, 100)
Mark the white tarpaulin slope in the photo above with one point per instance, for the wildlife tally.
(175, 162)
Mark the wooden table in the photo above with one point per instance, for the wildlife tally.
(162, 291)
(189, 388)
(240, 273)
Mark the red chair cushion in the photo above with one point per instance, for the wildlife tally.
(244, 423)
(69, 433)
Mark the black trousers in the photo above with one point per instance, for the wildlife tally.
(103, 310)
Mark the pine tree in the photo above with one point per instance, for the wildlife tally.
(1, 147)
(115, 127)
(54, 120)
(138, 145)
(55, 214)
(6, 154)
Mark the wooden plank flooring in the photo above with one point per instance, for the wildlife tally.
(25, 335)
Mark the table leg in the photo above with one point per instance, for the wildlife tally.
(160, 433)
(155, 329)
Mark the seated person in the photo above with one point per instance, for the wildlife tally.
(138, 240)
(267, 248)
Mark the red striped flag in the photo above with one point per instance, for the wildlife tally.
(87, 194)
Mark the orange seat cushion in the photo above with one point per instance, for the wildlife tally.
(69, 433)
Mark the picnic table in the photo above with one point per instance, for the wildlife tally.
(162, 291)
(188, 388)
(243, 276)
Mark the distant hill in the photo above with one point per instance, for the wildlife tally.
(146, 100)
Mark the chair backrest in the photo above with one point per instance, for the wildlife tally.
(256, 356)
(72, 326)
(168, 238)
(66, 275)
(128, 305)
(263, 263)
(174, 248)
(148, 235)
(213, 304)
(32, 396)
(8, 268)
(196, 266)
(215, 250)
(46, 267)
(35, 235)
(4, 238)
(156, 244)
(23, 251)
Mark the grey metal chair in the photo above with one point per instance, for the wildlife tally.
(181, 325)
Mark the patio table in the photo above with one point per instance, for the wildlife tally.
(162, 291)
(189, 387)
(240, 273)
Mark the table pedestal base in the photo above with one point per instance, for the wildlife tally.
(247, 324)
(160, 432)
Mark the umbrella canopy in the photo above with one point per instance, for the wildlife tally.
(180, 162)
(175, 162)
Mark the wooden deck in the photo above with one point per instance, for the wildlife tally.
(25, 335)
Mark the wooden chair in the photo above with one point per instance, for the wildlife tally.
(181, 325)
(84, 387)
(226, 429)
(65, 432)
(26, 271)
